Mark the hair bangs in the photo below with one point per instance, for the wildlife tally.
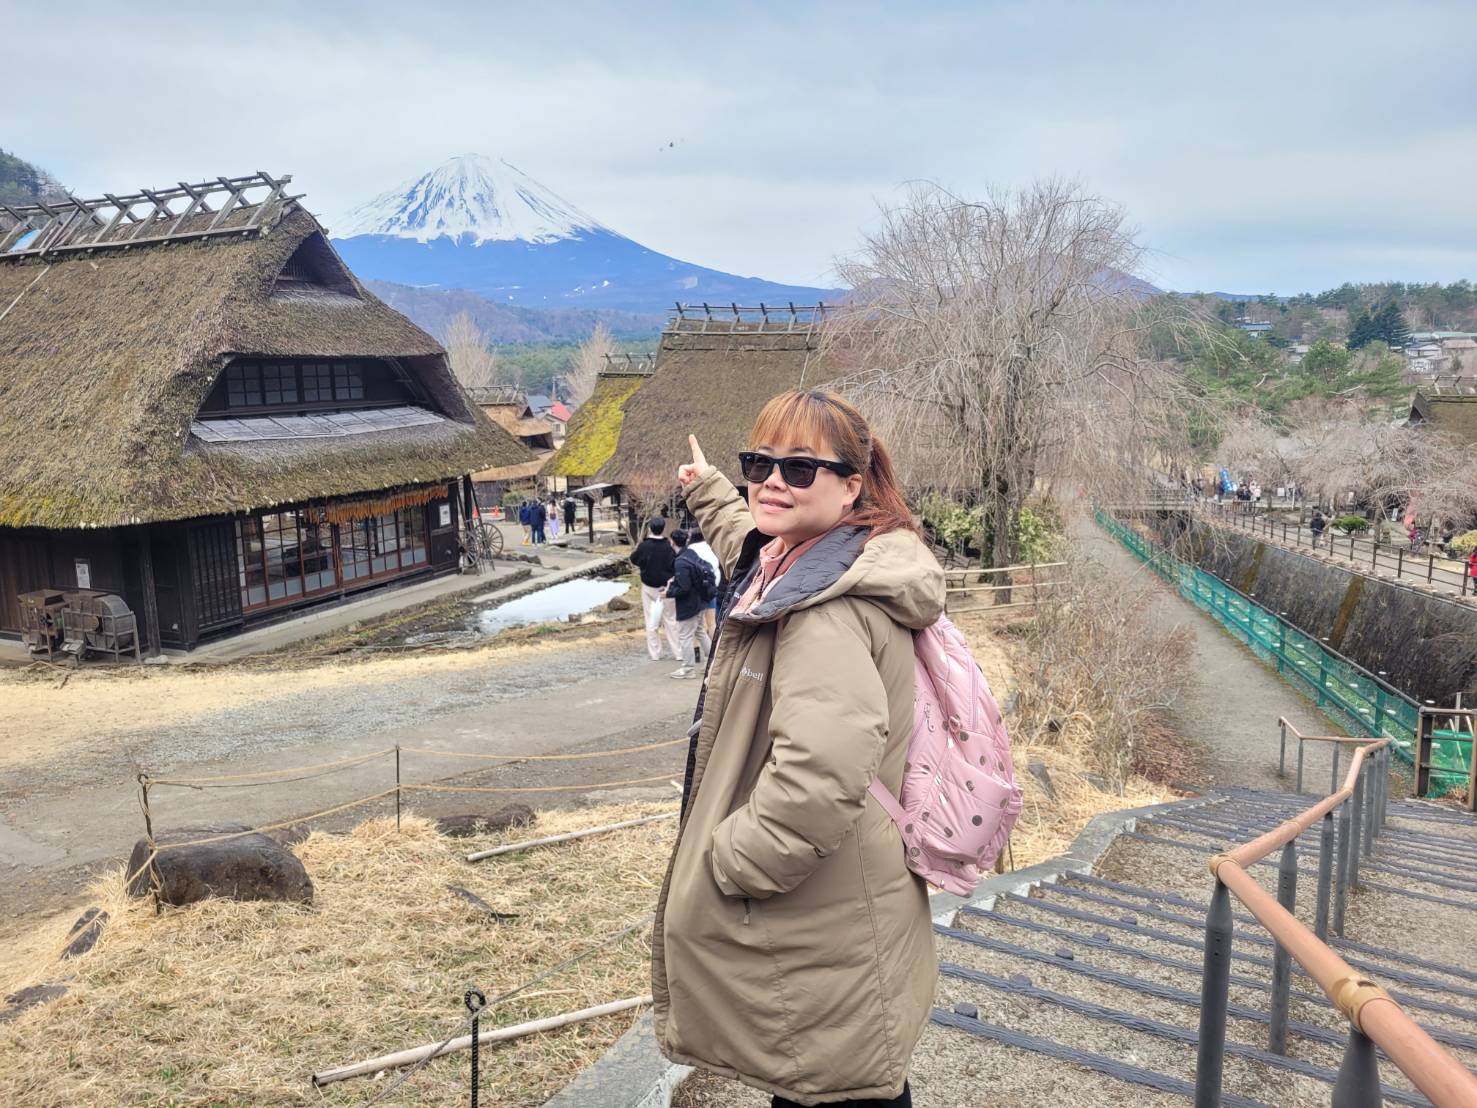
(796, 420)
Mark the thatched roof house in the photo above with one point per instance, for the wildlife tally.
(205, 400)
(1448, 403)
(595, 427)
(711, 379)
(509, 408)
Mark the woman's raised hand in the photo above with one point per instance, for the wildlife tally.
(687, 474)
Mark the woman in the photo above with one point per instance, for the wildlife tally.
(792, 948)
(553, 518)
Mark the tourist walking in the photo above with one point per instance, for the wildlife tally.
(1317, 525)
(569, 508)
(654, 559)
(1472, 568)
(525, 521)
(792, 948)
(537, 516)
(696, 544)
(551, 519)
(692, 589)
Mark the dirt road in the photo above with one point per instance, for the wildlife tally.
(73, 748)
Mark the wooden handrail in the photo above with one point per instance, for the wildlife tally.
(1428, 1065)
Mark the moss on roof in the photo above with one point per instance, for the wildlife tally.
(105, 360)
(712, 385)
(595, 427)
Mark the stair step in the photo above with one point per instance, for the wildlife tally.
(1201, 907)
(1136, 1075)
(1391, 973)
(1172, 1032)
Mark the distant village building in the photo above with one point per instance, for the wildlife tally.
(1440, 352)
(513, 410)
(1255, 328)
(204, 412)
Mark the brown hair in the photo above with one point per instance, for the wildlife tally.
(817, 419)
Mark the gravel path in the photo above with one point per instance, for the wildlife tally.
(1232, 701)
(74, 809)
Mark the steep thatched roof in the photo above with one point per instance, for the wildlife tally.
(511, 419)
(105, 359)
(595, 426)
(712, 385)
(1454, 414)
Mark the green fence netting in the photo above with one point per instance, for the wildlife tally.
(1363, 703)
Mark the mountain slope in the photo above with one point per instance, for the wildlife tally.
(433, 309)
(485, 226)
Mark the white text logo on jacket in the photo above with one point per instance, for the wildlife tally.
(745, 671)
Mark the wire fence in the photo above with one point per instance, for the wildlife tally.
(1360, 700)
(263, 778)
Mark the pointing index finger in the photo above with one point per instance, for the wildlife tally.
(697, 451)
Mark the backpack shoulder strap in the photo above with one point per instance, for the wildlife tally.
(883, 796)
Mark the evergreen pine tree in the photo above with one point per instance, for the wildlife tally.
(1361, 331)
(1389, 324)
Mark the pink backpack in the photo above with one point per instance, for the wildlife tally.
(959, 797)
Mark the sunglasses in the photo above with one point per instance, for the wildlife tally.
(798, 473)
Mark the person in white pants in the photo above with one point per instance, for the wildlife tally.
(654, 559)
(661, 621)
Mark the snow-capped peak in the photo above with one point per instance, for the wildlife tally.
(474, 195)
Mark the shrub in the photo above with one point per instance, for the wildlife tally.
(1350, 525)
(1461, 545)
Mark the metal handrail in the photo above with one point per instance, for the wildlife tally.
(1375, 1019)
(1285, 725)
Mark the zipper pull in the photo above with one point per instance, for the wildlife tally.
(746, 910)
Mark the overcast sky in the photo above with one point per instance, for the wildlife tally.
(1257, 147)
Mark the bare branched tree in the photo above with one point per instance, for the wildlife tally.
(999, 344)
(467, 350)
(586, 365)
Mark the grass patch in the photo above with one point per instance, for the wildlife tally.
(225, 1003)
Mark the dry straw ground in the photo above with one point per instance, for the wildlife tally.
(225, 1003)
(237, 1004)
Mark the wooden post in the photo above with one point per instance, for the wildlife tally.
(151, 602)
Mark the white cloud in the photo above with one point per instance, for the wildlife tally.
(1255, 147)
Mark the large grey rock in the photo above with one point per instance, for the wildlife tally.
(249, 867)
(510, 815)
(618, 604)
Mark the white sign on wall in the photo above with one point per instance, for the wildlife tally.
(84, 573)
(446, 515)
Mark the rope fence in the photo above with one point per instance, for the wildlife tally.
(321, 769)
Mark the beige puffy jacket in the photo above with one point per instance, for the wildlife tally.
(793, 949)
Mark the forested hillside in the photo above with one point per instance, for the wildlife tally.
(23, 183)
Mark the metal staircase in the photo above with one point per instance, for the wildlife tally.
(1107, 971)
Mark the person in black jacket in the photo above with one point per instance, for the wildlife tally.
(569, 507)
(693, 586)
(537, 516)
(654, 559)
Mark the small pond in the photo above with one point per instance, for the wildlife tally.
(557, 602)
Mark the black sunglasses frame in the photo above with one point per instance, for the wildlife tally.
(791, 469)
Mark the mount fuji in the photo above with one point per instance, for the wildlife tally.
(480, 224)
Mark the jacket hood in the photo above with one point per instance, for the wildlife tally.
(895, 571)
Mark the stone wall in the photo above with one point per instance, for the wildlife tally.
(1426, 646)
